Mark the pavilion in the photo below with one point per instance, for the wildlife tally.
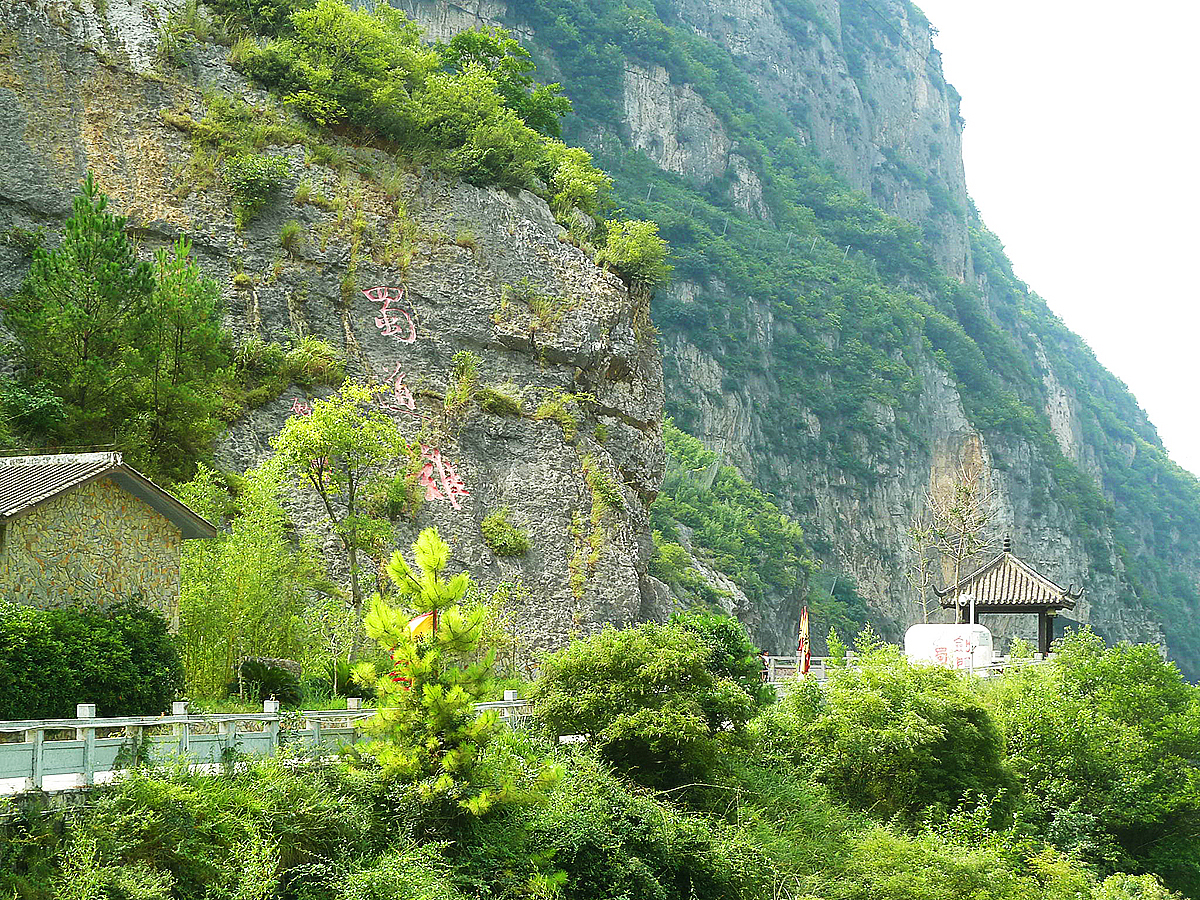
(1010, 585)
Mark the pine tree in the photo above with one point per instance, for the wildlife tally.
(428, 729)
(81, 312)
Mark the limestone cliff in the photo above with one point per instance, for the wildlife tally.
(707, 112)
(81, 88)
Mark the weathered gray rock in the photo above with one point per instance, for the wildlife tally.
(79, 91)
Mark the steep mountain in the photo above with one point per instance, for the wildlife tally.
(397, 268)
(843, 329)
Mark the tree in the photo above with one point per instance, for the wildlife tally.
(185, 349)
(133, 351)
(81, 312)
(1104, 742)
(249, 592)
(891, 738)
(541, 106)
(341, 450)
(647, 698)
(429, 731)
(961, 514)
(732, 653)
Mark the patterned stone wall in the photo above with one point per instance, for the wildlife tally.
(92, 545)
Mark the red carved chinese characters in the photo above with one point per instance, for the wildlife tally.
(301, 409)
(392, 313)
(451, 485)
(402, 398)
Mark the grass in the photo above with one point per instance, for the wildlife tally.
(505, 538)
(291, 236)
(498, 401)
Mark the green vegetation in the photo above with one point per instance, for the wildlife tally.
(339, 452)
(856, 298)
(265, 370)
(1069, 781)
(564, 409)
(469, 109)
(505, 538)
(734, 527)
(247, 592)
(545, 310)
(428, 731)
(254, 179)
(647, 699)
(635, 250)
(133, 350)
(462, 384)
(120, 657)
(499, 401)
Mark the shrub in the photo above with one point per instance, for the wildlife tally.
(33, 408)
(636, 252)
(254, 180)
(733, 653)
(646, 698)
(291, 235)
(259, 679)
(498, 402)
(120, 657)
(502, 536)
(895, 739)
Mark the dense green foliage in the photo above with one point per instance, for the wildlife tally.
(259, 680)
(650, 699)
(898, 783)
(1105, 743)
(427, 729)
(892, 739)
(119, 657)
(499, 533)
(133, 351)
(731, 652)
(248, 592)
(733, 526)
(469, 109)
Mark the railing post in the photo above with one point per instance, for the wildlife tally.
(271, 708)
(38, 737)
(183, 729)
(228, 734)
(315, 724)
(88, 735)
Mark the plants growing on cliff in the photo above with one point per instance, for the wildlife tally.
(469, 108)
(499, 533)
(338, 451)
(637, 253)
(254, 179)
(735, 527)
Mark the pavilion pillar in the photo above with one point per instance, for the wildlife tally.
(1045, 626)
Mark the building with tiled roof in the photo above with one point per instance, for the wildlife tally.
(85, 528)
(1009, 585)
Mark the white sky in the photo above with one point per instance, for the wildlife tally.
(1081, 154)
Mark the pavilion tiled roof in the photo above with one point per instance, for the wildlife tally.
(26, 481)
(1007, 581)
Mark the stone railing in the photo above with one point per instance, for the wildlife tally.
(65, 754)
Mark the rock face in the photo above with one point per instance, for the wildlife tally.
(79, 90)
